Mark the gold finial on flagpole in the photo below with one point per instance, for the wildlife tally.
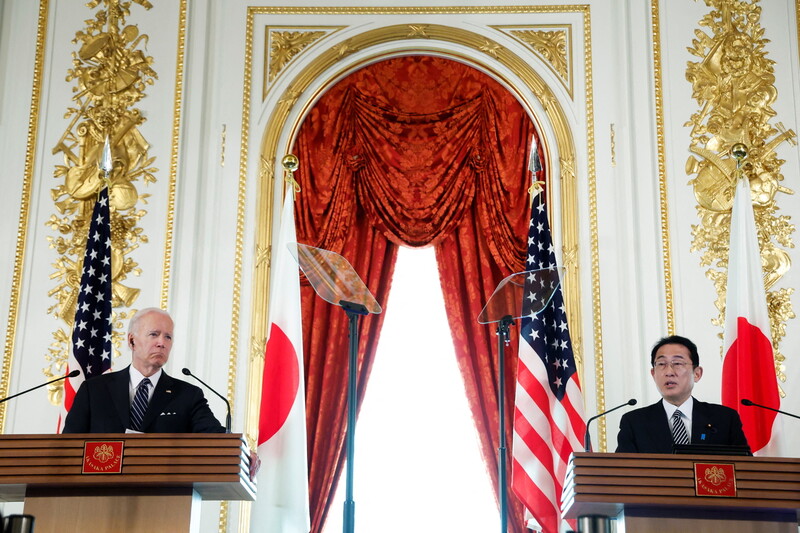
(290, 165)
(739, 153)
(535, 188)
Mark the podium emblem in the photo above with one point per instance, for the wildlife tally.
(102, 457)
(715, 479)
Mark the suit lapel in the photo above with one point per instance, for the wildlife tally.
(701, 423)
(119, 391)
(161, 397)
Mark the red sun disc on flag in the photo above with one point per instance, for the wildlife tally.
(280, 386)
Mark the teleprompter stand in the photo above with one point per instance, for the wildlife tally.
(336, 282)
(521, 294)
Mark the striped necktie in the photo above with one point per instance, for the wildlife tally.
(139, 405)
(679, 435)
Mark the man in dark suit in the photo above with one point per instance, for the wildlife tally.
(678, 417)
(104, 404)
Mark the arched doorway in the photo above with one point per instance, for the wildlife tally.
(411, 151)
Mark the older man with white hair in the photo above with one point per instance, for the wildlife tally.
(142, 397)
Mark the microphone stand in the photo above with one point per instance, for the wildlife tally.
(750, 403)
(587, 438)
(353, 311)
(70, 375)
(502, 341)
(188, 372)
(335, 281)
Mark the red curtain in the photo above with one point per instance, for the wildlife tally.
(413, 151)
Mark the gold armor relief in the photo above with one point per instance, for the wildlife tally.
(111, 74)
(733, 83)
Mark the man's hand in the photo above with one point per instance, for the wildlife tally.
(255, 465)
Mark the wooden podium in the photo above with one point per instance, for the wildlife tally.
(161, 479)
(682, 493)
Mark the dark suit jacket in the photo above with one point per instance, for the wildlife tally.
(102, 405)
(646, 430)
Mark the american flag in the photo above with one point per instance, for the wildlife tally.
(548, 411)
(91, 332)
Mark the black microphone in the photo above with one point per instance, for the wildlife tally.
(188, 372)
(70, 375)
(587, 439)
(749, 403)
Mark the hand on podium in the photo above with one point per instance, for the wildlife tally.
(255, 465)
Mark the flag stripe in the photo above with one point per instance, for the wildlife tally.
(548, 414)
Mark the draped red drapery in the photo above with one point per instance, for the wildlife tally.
(415, 151)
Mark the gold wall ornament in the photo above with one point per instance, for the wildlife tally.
(734, 84)
(490, 48)
(553, 44)
(418, 31)
(658, 86)
(344, 49)
(613, 145)
(222, 141)
(284, 43)
(111, 75)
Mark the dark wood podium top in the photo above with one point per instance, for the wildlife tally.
(605, 483)
(216, 465)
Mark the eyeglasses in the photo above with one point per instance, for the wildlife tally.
(677, 366)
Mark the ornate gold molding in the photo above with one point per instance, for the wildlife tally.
(553, 44)
(177, 106)
(666, 254)
(594, 246)
(734, 85)
(282, 44)
(255, 370)
(112, 74)
(25, 200)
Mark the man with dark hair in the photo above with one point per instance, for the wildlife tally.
(678, 418)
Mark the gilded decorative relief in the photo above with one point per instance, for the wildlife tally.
(553, 44)
(111, 75)
(282, 44)
(734, 84)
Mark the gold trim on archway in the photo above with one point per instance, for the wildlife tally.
(417, 39)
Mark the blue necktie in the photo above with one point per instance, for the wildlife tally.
(139, 405)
